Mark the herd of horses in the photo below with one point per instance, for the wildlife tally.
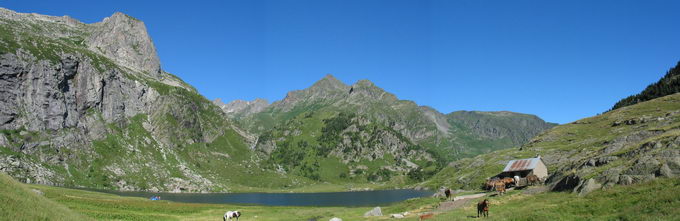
(494, 184)
(501, 184)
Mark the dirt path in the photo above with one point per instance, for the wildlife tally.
(458, 202)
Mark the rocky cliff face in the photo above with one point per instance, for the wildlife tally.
(87, 105)
(125, 38)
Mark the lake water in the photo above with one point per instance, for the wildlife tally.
(359, 198)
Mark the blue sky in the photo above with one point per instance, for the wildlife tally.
(560, 60)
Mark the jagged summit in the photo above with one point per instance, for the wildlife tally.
(328, 82)
(242, 107)
(126, 40)
(120, 37)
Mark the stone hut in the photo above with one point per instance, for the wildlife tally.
(526, 167)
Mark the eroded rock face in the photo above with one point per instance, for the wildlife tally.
(125, 39)
(39, 95)
(87, 105)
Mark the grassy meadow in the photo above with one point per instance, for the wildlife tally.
(656, 200)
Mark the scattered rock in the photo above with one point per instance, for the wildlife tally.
(588, 186)
(397, 216)
(37, 191)
(666, 171)
(335, 219)
(374, 212)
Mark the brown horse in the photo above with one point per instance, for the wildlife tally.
(508, 181)
(447, 192)
(500, 187)
(533, 179)
(483, 208)
(489, 185)
(426, 216)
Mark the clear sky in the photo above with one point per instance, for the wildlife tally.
(561, 60)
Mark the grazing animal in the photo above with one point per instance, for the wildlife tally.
(500, 187)
(426, 216)
(532, 179)
(483, 208)
(508, 181)
(447, 192)
(231, 214)
(489, 185)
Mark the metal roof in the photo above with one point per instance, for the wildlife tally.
(521, 165)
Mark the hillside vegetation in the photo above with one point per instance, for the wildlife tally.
(655, 200)
(633, 144)
(360, 133)
(77, 111)
(22, 203)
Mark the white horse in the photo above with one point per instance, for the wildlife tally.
(231, 214)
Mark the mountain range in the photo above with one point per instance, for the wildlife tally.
(88, 105)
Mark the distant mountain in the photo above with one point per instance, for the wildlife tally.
(331, 130)
(669, 84)
(241, 108)
(88, 105)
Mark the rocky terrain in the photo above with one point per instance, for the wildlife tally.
(632, 144)
(88, 105)
(331, 130)
(241, 108)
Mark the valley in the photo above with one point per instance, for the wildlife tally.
(87, 108)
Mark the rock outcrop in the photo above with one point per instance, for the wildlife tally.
(88, 105)
(125, 40)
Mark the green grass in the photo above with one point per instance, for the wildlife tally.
(574, 144)
(655, 200)
(103, 206)
(18, 202)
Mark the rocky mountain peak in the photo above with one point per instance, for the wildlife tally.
(125, 40)
(328, 83)
(366, 88)
(242, 107)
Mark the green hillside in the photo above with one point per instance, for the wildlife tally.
(629, 145)
(75, 112)
(358, 133)
(22, 203)
(656, 200)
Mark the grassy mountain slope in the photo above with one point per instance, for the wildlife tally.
(360, 133)
(628, 145)
(21, 203)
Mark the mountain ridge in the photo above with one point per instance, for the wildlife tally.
(370, 121)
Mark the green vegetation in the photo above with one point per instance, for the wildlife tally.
(568, 146)
(669, 84)
(19, 202)
(655, 200)
(107, 206)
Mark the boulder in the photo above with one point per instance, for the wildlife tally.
(335, 219)
(374, 212)
(666, 171)
(588, 186)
